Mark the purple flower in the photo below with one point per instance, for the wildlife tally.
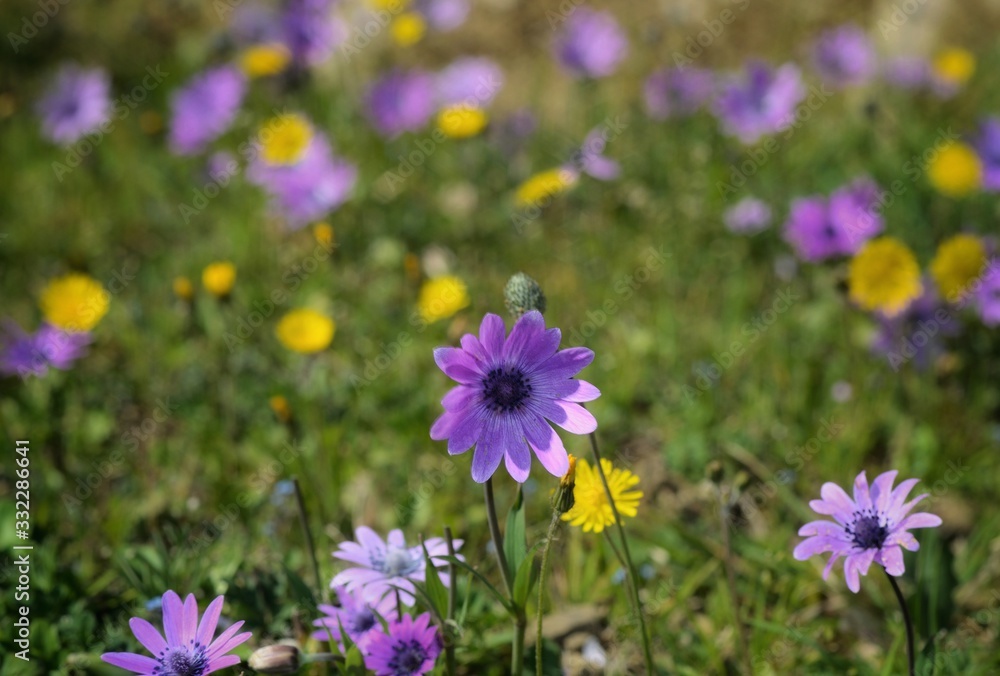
(410, 646)
(357, 616)
(508, 389)
(988, 296)
(897, 337)
(818, 229)
(809, 230)
(310, 31)
(854, 212)
(590, 157)
(77, 103)
(473, 82)
(591, 44)
(188, 648)
(844, 56)
(401, 101)
(677, 91)
(762, 102)
(443, 15)
(25, 354)
(874, 526)
(907, 72)
(988, 148)
(385, 567)
(748, 216)
(204, 108)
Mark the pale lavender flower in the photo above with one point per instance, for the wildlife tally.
(384, 567)
(358, 617)
(854, 211)
(988, 149)
(748, 216)
(189, 648)
(590, 158)
(76, 103)
(443, 15)
(509, 388)
(204, 108)
(408, 648)
(471, 81)
(818, 228)
(760, 102)
(844, 56)
(907, 72)
(873, 527)
(401, 101)
(25, 354)
(311, 31)
(677, 92)
(591, 44)
(988, 297)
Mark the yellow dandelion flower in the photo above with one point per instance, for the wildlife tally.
(183, 288)
(392, 6)
(218, 278)
(591, 509)
(442, 297)
(305, 331)
(408, 29)
(543, 186)
(285, 138)
(955, 170)
(279, 405)
(323, 232)
(958, 262)
(74, 302)
(263, 60)
(461, 121)
(884, 276)
(954, 65)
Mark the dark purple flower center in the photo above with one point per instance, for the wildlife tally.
(190, 660)
(361, 621)
(505, 389)
(407, 657)
(867, 530)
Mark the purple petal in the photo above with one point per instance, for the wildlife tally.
(190, 625)
(472, 345)
(575, 390)
(467, 432)
(861, 495)
(222, 663)
(851, 574)
(209, 621)
(899, 514)
(489, 451)
(368, 538)
(920, 520)
(892, 559)
(547, 445)
(518, 458)
(835, 496)
(882, 490)
(147, 635)
(445, 425)
(173, 618)
(824, 528)
(458, 398)
(529, 328)
(491, 334)
(829, 564)
(567, 363)
(815, 545)
(457, 365)
(396, 539)
(569, 416)
(233, 642)
(226, 642)
(602, 168)
(904, 539)
(900, 492)
(140, 664)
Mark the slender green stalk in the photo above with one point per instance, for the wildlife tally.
(449, 645)
(741, 631)
(520, 622)
(304, 519)
(910, 646)
(553, 526)
(647, 651)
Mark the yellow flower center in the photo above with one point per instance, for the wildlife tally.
(284, 139)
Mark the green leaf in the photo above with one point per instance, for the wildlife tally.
(437, 594)
(527, 576)
(462, 564)
(515, 545)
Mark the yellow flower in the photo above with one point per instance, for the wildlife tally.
(264, 60)
(74, 302)
(442, 297)
(884, 276)
(392, 6)
(218, 278)
(957, 263)
(955, 65)
(279, 405)
(408, 29)
(183, 288)
(591, 509)
(461, 121)
(955, 170)
(323, 232)
(305, 331)
(541, 187)
(285, 138)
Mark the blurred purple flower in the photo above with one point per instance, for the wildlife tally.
(76, 103)
(809, 230)
(471, 81)
(760, 102)
(512, 131)
(907, 72)
(748, 216)
(401, 101)
(204, 108)
(897, 337)
(443, 15)
(988, 296)
(988, 148)
(24, 354)
(677, 91)
(357, 616)
(254, 23)
(818, 228)
(408, 647)
(310, 31)
(854, 211)
(591, 160)
(221, 166)
(844, 56)
(591, 44)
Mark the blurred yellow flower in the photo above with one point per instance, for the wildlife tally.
(461, 121)
(279, 405)
(285, 138)
(390, 5)
(408, 29)
(543, 186)
(183, 288)
(323, 232)
(884, 276)
(955, 170)
(265, 59)
(954, 65)
(305, 331)
(74, 302)
(442, 297)
(218, 278)
(591, 509)
(957, 263)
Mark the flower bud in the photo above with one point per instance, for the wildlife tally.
(523, 294)
(275, 659)
(563, 499)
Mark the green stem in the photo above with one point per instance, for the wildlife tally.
(520, 623)
(741, 631)
(300, 503)
(647, 651)
(910, 647)
(449, 645)
(553, 526)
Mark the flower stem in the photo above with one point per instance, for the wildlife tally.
(910, 647)
(517, 645)
(647, 652)
(553, 526)
(304, 519)
(727, 550)
(449, 646)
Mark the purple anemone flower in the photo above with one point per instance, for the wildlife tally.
(874, 526)
(591, 44)
(358, 617)
(310, 31)
(204, 108)
(748, 216)
(509, 388)
(188, 648)
(988, 296)
(988, 148)
(818, 228)
(443, 15)
(918, 332)
(854, 211)
(401, 101)
(77, 103)
(409, 647)
(844, 56)
(677, 92)
(761, 102)
(907, 72)
(25, 354)
(473, 82)
(382, 568)
(590, 157)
